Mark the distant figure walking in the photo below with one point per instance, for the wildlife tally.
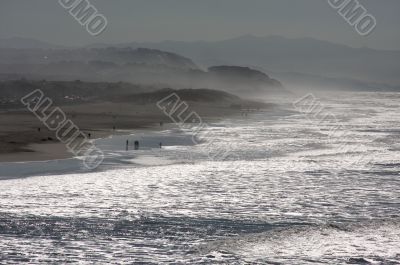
(160, 144)
(114, 128)
(89, 135)
(127, 145)
(38, 129)
(136, 145)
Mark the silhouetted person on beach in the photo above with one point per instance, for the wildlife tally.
(136, 145)
(127, 145)
(160, 144)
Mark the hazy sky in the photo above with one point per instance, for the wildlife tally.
(156, 20)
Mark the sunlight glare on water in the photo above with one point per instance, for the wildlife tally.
(288, 195)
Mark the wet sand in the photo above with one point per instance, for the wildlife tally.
(21, 140)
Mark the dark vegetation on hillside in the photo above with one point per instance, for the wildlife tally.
(77, 92)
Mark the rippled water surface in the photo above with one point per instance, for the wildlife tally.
(290, 192)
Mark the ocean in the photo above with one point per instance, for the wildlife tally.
(273, 187)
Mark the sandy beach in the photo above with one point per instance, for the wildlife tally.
(24, 138)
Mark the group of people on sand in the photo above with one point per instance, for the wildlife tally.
(136, 145)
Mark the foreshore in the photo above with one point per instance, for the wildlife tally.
(24, 138)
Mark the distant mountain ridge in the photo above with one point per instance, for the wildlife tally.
(280, 54)
(140, 66)
(118, 56)
(306, 56)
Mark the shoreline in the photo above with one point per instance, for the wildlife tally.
(56, 150)
(20, 140)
